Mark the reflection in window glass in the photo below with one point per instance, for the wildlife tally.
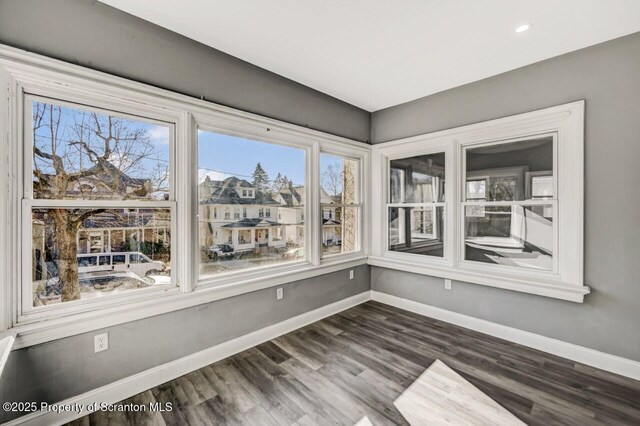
(516, 234)
(263, 185)
(542, 186)
(81, 154)
(510, 235)
(338, 190)
(505, 167)
(417, 179)
(418, 230)
(477, 189)
(65, 267)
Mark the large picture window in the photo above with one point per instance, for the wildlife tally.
(266, 182)
(84, 161)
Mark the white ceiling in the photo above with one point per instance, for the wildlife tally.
(379, 53)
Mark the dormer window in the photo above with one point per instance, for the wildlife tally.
(245, 193)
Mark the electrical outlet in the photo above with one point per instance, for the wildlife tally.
(447, 284)
(279, 293)
(100, 342)
(351, 274)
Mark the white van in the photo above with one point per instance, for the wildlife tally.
(137, 263)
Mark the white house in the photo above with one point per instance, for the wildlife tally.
(234, 212)
(292, 215)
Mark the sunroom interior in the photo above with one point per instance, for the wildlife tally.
(346, 213)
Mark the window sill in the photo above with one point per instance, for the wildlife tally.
(541, 287)
(29, 334)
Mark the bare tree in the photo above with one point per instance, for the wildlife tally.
(88, 155)
(331, 179)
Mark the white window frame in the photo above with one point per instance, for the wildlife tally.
(312, 145)
(437, 147)
(22, 72)
(509, 172)
(103, 104)
(363, 159)
(566, 281)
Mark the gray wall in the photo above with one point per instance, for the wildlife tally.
(98, 36)
(607, 76)
(63, 368)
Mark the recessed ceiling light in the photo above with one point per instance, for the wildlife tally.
(522, 28)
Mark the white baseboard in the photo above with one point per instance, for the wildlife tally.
(612, 363)
(127, 387)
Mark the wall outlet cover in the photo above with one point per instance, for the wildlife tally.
(100, 342)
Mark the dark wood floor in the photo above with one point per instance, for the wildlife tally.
(357, 362)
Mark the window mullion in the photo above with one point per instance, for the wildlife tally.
(186, 199)
(315, 210)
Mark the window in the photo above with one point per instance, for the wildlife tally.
(416, 205)
(485, 203)
(340, 200)
(509, 226)
(102, 183)
(278, 174)
(84, 161)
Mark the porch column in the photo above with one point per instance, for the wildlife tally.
(270, 236)
(253, 237)
(234, 237)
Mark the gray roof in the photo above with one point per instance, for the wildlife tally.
(252, 223)
(225, 192)
(293, 196)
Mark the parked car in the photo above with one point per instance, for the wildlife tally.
(295, 253)
(333, 241)
(220, 251)
(135, 262)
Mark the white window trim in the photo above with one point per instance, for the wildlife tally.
(73, 98)
(60, 80)
(361, 203)
(567, 122)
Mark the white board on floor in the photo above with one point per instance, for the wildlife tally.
(440, 396)
(5, 350)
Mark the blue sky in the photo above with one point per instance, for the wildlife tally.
(221, 155)
(76, 160)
